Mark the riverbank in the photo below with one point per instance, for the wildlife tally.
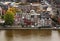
(19, 27)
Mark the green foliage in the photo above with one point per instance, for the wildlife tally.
(9, 18)
(2, 16)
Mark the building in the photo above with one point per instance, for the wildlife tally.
(23, 0)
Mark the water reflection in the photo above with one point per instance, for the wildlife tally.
(9, 35)
(55, 36)
(29, 35)
(45, 33)
(22, 32)
(2, 35)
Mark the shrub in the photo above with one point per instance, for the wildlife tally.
(9, 18)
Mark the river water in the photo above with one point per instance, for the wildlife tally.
(29, 35)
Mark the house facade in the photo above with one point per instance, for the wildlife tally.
(23, 0)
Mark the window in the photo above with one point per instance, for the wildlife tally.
(32, 16)
(38, 16)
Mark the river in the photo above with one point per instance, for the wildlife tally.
(29, 35)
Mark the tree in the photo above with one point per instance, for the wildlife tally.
(9, 18)
(12, 9)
